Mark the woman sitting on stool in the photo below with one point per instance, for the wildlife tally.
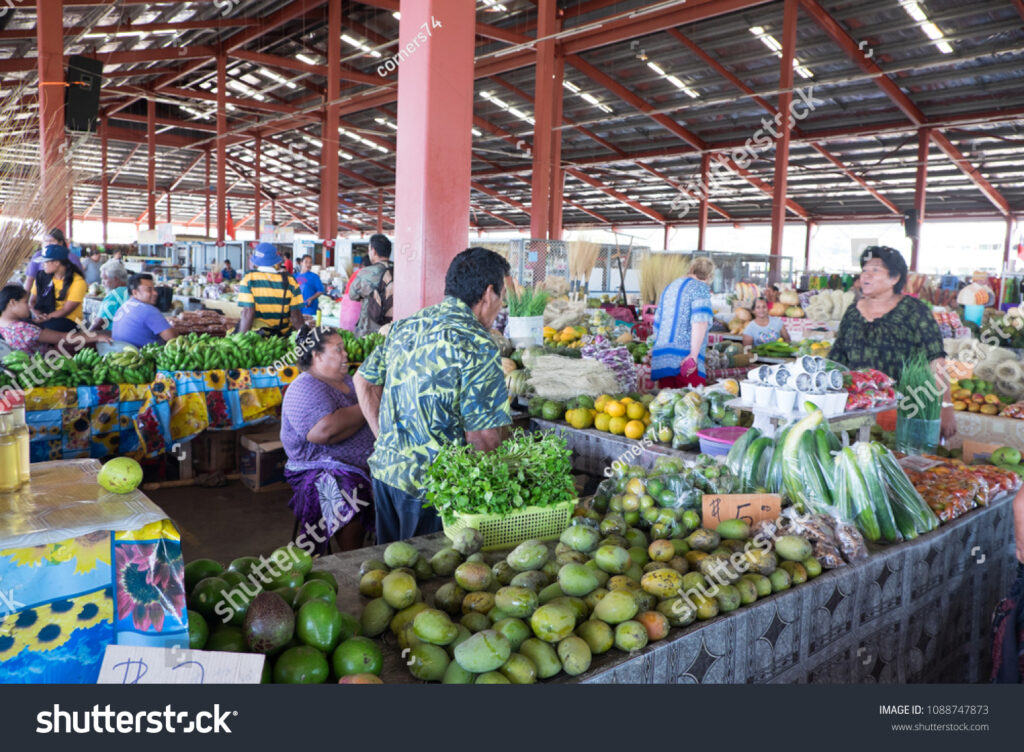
(327, 442)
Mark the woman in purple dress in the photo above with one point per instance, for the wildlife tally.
(327, 442)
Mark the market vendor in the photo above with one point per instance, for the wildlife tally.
(681, 328)
(327, 441)
(58, 291)
(139, 322)
(311, 285)
(764, 328)
(20, 334)
(114, 278)
(269, 297)
(228, 273)
(886, 328)
(35, 264)
(436, 379)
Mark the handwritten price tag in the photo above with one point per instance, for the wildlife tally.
(750, 508)
(132, 664)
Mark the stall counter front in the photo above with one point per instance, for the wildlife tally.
(82, 568)
(916, 612)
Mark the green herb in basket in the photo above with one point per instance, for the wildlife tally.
(527, 470)
(920, 395)
(529, 302)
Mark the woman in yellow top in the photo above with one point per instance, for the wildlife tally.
(58, 292)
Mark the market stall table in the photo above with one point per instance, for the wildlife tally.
(913, 612)
(82, 568)
(595, 451)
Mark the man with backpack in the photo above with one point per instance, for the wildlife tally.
(375, 287)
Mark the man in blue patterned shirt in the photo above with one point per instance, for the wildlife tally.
(436, 379)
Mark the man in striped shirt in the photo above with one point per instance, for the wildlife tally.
(269, 297)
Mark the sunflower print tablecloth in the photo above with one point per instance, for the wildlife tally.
(146, 420)
(79, 574)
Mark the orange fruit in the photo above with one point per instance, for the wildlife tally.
(602, 421)
(635, 410)
(647, 419)
(617, 425)
(627, 400)
(615, 409)
(636, 487)
(634, 429)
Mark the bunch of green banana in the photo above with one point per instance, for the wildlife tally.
(126, 367)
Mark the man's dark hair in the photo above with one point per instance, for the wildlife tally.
(893, 261)
(227, 262)
(472, 271)
(135, 281)
(307, 256)
(380, 245)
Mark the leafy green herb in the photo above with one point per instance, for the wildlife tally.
(530, 302)
(922, 398)
(527, 470)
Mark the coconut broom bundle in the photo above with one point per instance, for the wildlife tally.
(27, 202)
(657, 270)
(582, 259)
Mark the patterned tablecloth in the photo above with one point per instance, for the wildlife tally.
(82, 568)
(140, 420)
(913, 612)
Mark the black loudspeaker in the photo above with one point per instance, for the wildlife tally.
(910, 223)
(82, 97)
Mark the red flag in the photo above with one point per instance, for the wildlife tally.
(1020, 247)
(229, 224)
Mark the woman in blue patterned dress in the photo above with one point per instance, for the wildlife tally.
(684, 317)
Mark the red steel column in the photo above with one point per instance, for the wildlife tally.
(807, 247)
(702, 222)
(151, 162)
(557, 173)
(435, 115)
(782, 142)
(544, 121)
(104, 179)
(222, 142)
(207, 185)
(924, 140)
(50, 46)
(256, 185)
(329, 150)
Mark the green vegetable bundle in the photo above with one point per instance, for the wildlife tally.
(921, 397)
(526, 470)
(529, 302)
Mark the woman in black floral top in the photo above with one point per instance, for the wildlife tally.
(886, 328)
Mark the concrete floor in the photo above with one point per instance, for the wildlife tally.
(228, 522)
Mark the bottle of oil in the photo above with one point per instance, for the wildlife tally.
(10, 478)
(21, 435)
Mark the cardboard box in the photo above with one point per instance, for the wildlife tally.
(977, 452)
(215, 451)
(262, 461)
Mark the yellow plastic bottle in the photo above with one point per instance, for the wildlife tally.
(21, 435)
(10, 479)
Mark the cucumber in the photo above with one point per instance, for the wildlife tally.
(816, 493)
(902, 492)
(751, 462)
(739, 449)
(876, 491)
(792, 481)
(860, 499)
(824, 459)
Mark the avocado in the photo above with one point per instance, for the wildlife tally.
(200, 569)
(269, 623)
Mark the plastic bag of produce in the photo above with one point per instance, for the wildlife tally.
(689, 418)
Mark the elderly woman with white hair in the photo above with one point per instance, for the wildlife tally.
(114, 277)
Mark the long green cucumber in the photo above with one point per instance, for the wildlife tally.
(739, 449)
(825, 460)
(902, 491)
(751, 461)
(791, 474)
(876, 490)
(817, 492)
(773, 478)
(860, 499)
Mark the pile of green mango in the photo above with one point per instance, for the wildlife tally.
(539, 612)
